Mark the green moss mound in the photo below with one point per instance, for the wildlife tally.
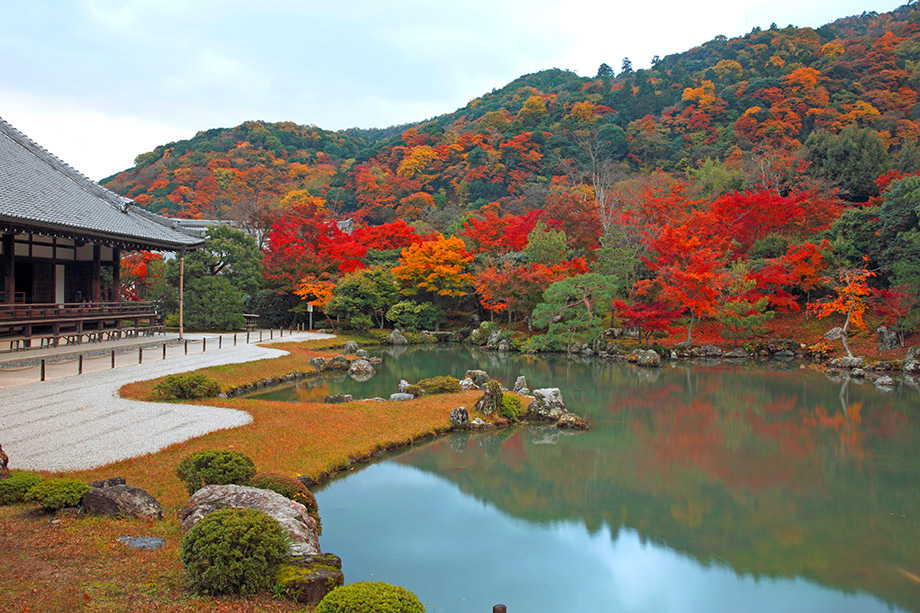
(370, 597)
(233, 551)
(187, 386)
(292, 489)
(57, 493)
(215, 467)
(511, 407)
(13, 490)
(439, 385)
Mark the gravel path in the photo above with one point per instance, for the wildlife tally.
(80, 422)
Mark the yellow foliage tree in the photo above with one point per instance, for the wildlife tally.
(440, 266)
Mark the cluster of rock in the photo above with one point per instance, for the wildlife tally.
(878, 373)
(547, 405)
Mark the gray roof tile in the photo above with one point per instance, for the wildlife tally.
(38, 189)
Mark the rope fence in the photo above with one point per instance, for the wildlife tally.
(164, 350)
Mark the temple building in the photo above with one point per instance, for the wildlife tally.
(61, 241)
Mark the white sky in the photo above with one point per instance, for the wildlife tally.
(99, 81)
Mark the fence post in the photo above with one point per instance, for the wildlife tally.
(247, 337)
(186, 346)
(43, 370)
(260, 336)
(140, 355)
(220, 341)
(271, 333)
(113, 358)
(234, 339)
(204, 344)
(164, 351)
(80, 365)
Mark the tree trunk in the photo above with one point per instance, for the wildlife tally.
(690, 329)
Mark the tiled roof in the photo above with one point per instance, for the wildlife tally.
(38, 190)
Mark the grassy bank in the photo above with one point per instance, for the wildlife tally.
(76, 563)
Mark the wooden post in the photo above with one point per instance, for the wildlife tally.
(43, 370)
(499, 608)
(9, 269)
(113, 358)
(116, 275)
(80, 365)
(140, 355)
(220, 341)
(181, 288)
(234, 339)
(204, 345)
(186, 346)
(96, 287)
(164, 351)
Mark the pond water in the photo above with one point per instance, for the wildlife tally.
(698, 488)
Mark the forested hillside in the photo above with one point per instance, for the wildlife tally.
(746, 171)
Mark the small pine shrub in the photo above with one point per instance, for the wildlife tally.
(57, 493)
(187, 386)
(291, 488)
(415, 390)
(215, 467)
(511, 407)
(233, 551)
(13, 490)
(370, 597)
(439, 385)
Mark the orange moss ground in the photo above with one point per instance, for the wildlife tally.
(77, 564)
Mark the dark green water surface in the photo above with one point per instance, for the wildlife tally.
(698, 488)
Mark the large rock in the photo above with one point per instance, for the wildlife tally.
(884, 383)
(460, 419)
(888, 339)
(339, 362)
(479, 377)
(520, 383)
(337, 398)
(494, 339)
(401, 396)
(351, 348)
(571, 421)
(467, 384)
(121, 501)
(504, 345)
(396, 338)
(361, 367)
(4, 464)
(648, 358)
(775, 345)
(491, 400)
(834, 334)
(547, 405)
(318, 363)
(362, 353)
(308, 579)
(912, 367)
(706, 351)
(293, 516)
(912, 354)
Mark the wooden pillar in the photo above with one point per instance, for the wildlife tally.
(9, 269)
(116, 274)
(181, 289)
(96, 287)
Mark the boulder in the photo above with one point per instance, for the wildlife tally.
(888, 339)
(848, 362)
(4, 464)
(884, 382)
(400, 397)
(121, 501)
(571, 421)
(337, 398)
(547, 405)
(361, 367)
(375, 360)
(912, 367)
(403, 386)
(396, 338)
(858, 373)
(351, 348)
(108, 482)
(775, 345)
(459, 419)
(339, 362)
(912, 354)
(706, 351)
(834, 334)
(504, 345)
(467, 384)
(307, 579)
(494, 339)
(491, 400)
(736, 354)
(479, 377)
(648, 358)
(520, 383)
(293, 516)
(318, 363)
(362, 353)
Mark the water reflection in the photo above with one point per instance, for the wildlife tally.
(740, 484)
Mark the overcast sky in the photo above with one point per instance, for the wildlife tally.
(99, 81)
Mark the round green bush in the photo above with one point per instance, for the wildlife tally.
(187, 386)
(215, 467)
(13, 490)
(57, 493)
(290, 488)
(370, 597)
(440, 385)
(511, 407)
(233, 551)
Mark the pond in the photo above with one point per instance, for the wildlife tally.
(699, 488)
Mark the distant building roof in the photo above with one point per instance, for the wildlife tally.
(40, 193)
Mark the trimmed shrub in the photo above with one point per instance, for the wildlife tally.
(233, 551)
(290, 488)
(13, 490)
(511, 407)
(413, 316)
(187, 386)
(439, 385)
(415, 390)
(57, 493)
(370, 597)
(215, 467)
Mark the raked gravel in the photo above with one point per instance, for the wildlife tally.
(80, 422)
